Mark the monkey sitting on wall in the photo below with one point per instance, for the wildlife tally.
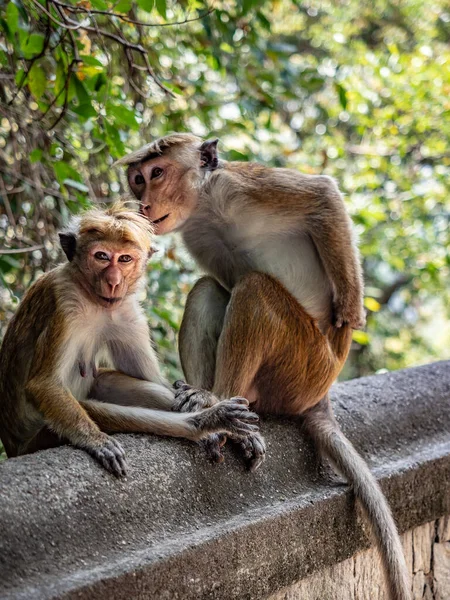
(273, 319)
(77, 315)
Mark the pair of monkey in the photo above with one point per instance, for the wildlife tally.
(270, 322)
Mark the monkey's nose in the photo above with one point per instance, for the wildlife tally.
(145, 209)
(113, 278)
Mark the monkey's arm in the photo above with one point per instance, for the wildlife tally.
(316, 204)
(330, 228)
(61, 411)
(66, 417)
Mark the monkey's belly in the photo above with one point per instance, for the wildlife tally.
(81, 384)
(294, 261)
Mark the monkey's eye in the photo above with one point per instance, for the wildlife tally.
(157, 172)
(139, 180)
(101, 256)
(125, 258)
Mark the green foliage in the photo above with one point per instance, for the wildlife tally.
(359, 91)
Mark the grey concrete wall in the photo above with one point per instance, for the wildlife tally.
(427, 551)
(180, 528)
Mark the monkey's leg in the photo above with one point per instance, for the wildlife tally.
(199, 335)
(271, 351)
(117, 388)
(200, 330)
(114, 387)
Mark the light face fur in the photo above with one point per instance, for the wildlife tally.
(273, 319)
(77, 359)
(155, 181)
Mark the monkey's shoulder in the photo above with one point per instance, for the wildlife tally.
(269, 184)
(41, 298)
(37, 309)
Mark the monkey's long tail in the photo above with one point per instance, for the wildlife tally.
(324, 429)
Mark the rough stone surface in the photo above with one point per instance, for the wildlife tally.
(360, 578)
(179, 528)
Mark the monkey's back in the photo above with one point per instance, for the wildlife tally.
(18, 420)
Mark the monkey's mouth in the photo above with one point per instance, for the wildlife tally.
(161, 219)
(111, 300)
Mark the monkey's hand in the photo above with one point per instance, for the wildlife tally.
(228, 416)
(190, 399)
(346, 312)
(110, 455)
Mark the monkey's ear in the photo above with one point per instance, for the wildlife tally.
(208, 155)
(68, 243)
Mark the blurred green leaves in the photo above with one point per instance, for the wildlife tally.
(357, 91)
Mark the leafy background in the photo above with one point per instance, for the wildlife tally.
(356, 90)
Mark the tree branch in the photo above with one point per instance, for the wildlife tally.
(88, 11)
(21, 250)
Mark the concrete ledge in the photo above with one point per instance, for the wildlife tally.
(180, 528)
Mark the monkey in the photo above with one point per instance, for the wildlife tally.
(84, 314)
(272, 318)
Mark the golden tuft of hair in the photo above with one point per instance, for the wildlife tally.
(159, 147)
(116, 222)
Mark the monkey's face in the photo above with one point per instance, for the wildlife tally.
(111, 271)
(167, 190)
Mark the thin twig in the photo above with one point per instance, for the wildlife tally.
(54, 19)
(21, 250)
(66, 95)
(80, 9)
(7, 204)
(125, 44)
(30, 182)
(74, 25)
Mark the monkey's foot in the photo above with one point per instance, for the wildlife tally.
(190, 399)
(213, 446)
(228, 416)
(111, 456)
(253, 448)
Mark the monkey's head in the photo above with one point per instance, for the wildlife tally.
(108, 250)
(165, 177)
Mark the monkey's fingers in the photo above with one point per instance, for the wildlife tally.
(348, 315)
(213, 445)
(111, 456)
(228, 416)
(180, 384)
(253, 448)
(189, 399)
(241, 420)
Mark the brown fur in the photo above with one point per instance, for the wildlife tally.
(66, 322)
(273, 320)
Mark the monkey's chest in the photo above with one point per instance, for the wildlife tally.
(230, 250)
(217, 250)
(82, 366)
